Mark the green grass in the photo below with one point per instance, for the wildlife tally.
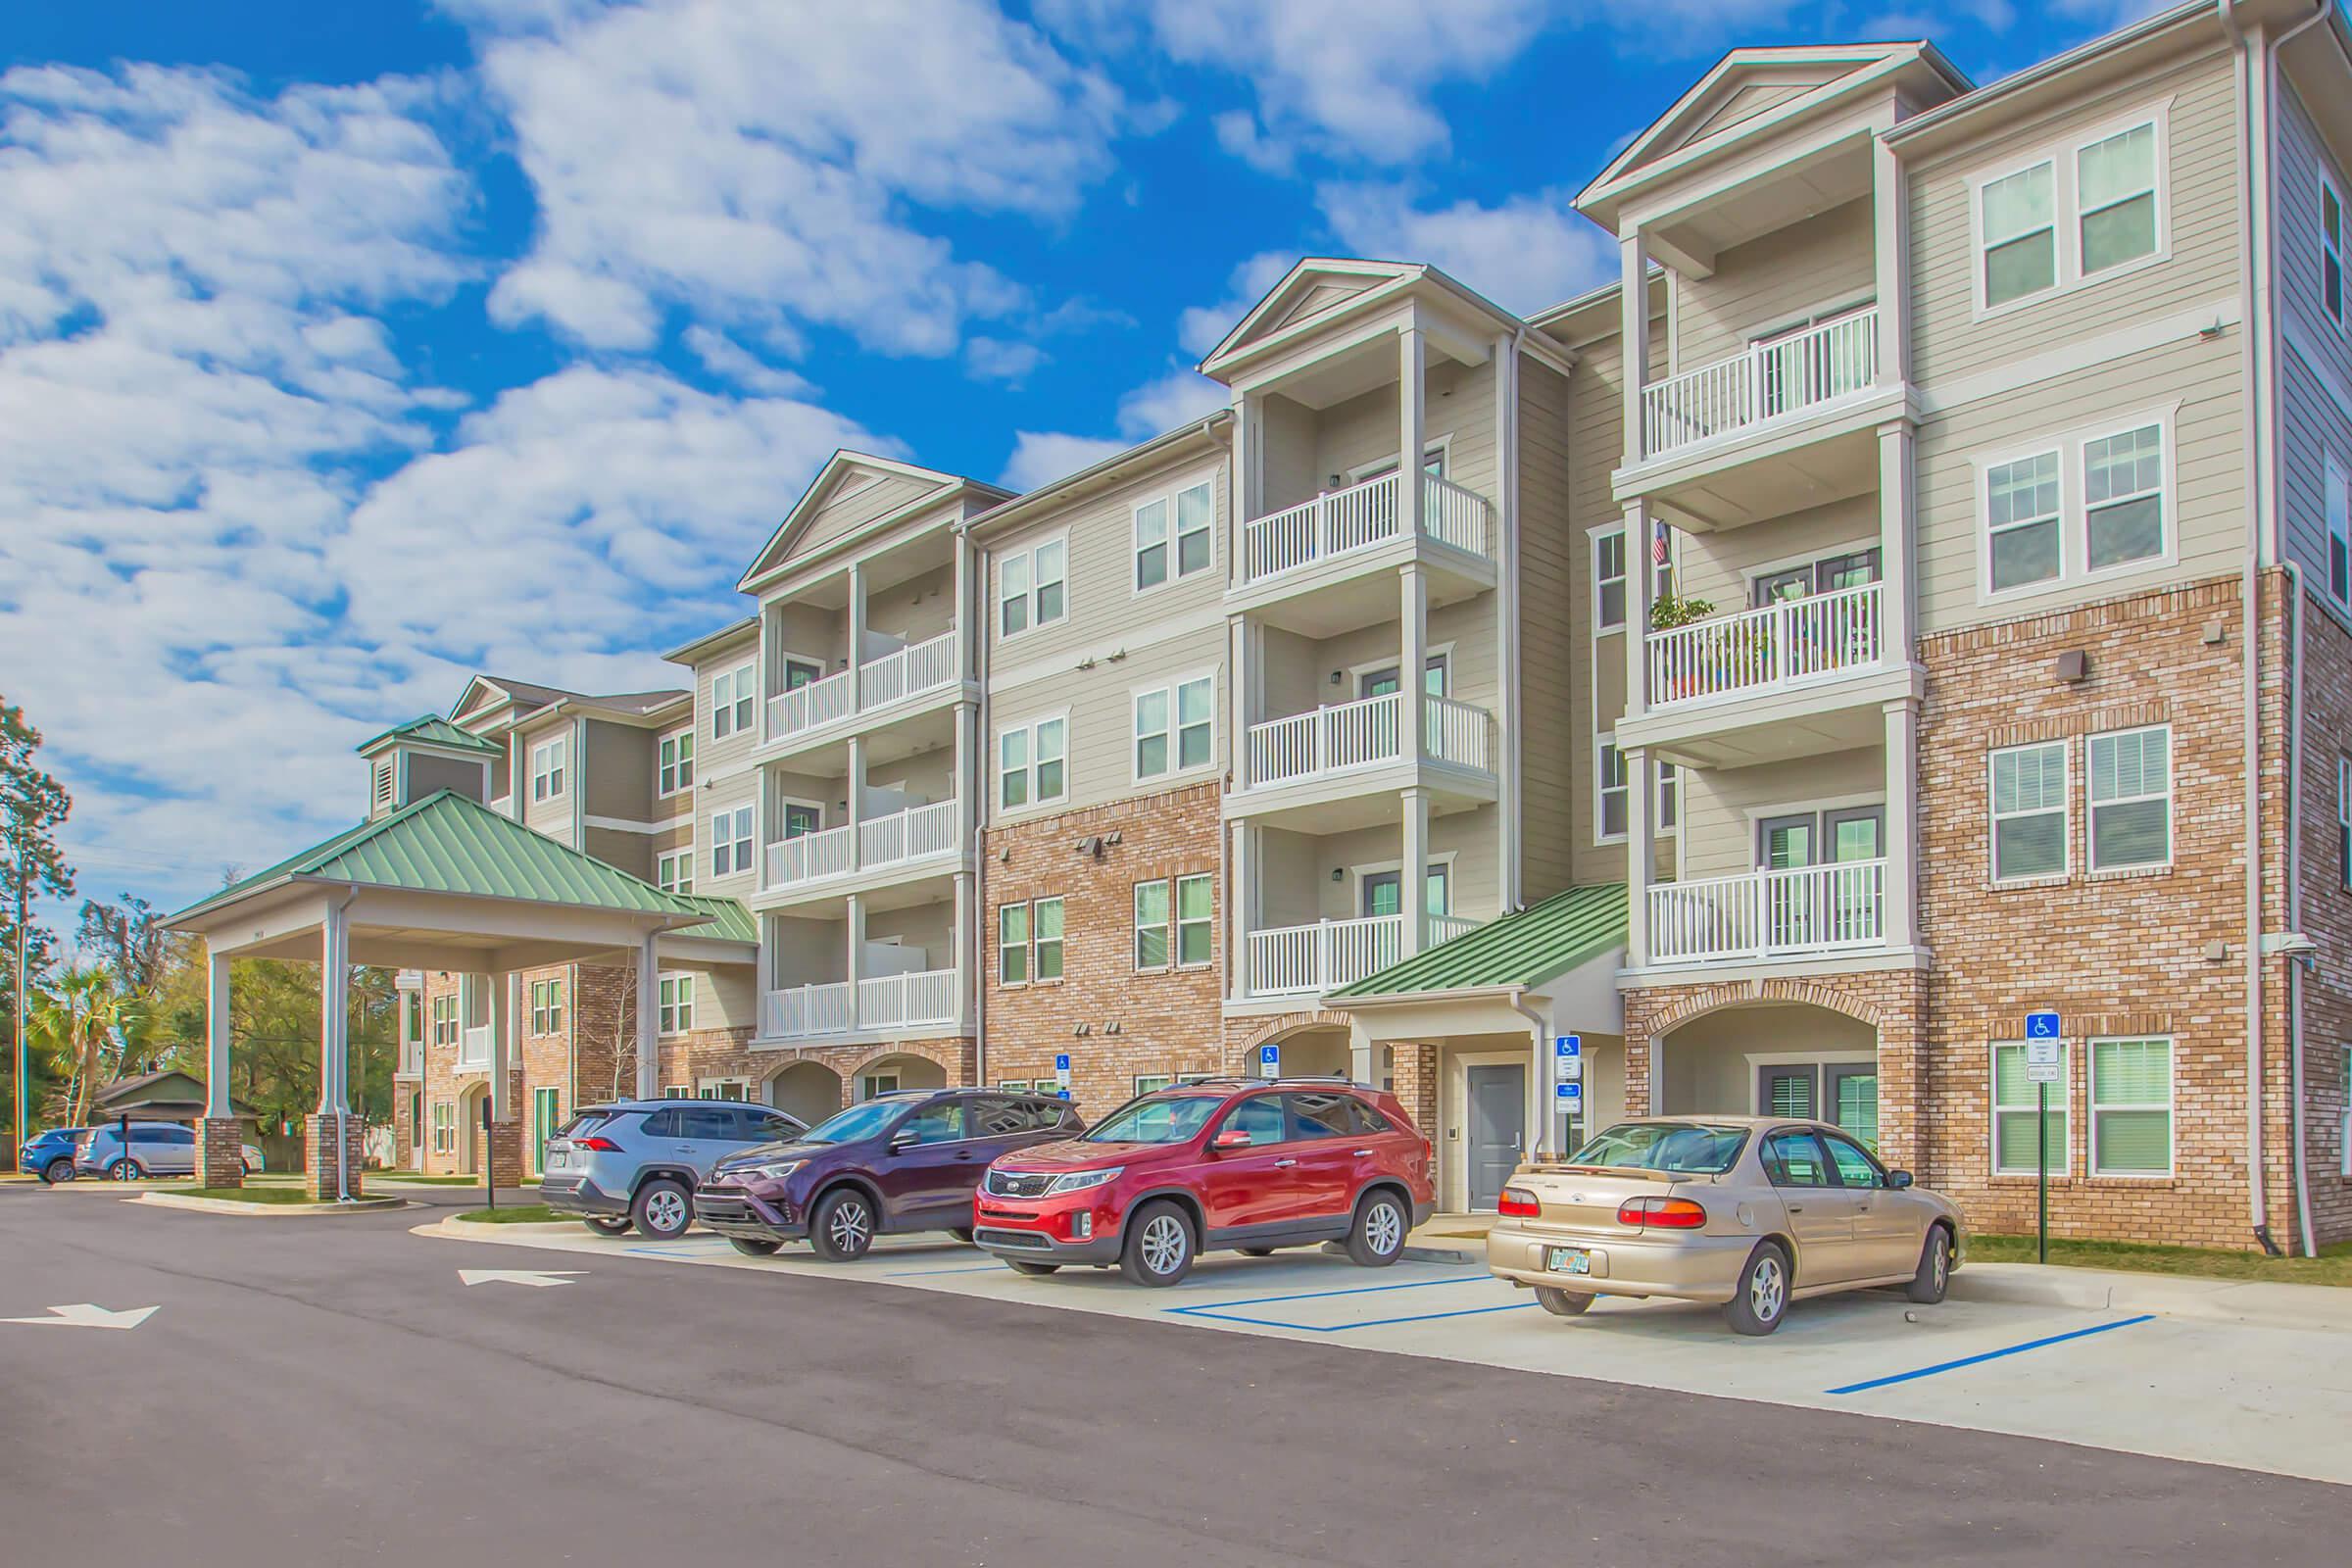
(515, 1214)
(425, 1181)
(244, 1194)
(2333, 1265)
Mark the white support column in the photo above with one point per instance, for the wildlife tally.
(1239, 901)
(1633, 334)
(1249, 477)
(1507, 619)
(1412, 390)
(504, 1012)
(1897, 529)
(1414, 888)
(1889, 196)
(1641, 851)
(857, 956)
(1641, 594)
(857, 800)
(334, 1012)
(772, 682)
(648, 1019)
(966, 643)
(1412, 669)
(857, 630)
(967, 718)
(216, 1037)
(1902, 822)
(964, 924)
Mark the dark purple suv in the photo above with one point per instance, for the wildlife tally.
(903, 1162)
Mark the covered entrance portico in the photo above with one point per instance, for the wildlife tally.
(443, 885)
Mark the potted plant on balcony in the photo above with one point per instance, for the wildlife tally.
(1667, 612)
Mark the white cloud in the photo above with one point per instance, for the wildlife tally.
(1000, 359)
(1201, 327)
(768, 165)
(723, 357)
(1523, 254)
(1040, 457)
(1176, 398)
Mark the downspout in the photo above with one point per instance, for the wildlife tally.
(1516, 821)
(974, 783)
(2294, 912)
(1538, 1027)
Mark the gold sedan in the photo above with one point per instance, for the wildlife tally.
(1749, 1211)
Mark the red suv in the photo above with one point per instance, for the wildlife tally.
(1228, 1164)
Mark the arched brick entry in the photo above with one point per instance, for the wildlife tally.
(1244, 1035)
(804, 1087)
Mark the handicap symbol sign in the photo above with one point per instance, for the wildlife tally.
(1270, 1055)
(1062, 1062)
(1568, 1045)
(2042, 1026)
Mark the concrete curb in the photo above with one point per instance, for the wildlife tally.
(230, 1205)
(451, 1228)
(2259, 1303)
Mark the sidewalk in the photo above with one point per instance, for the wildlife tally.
(2259, 1303)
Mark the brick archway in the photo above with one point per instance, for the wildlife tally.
(1696, 1001)
(951, 1056)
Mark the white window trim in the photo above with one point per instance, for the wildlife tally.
(707, 1089)
(675, 978)
(1035, 803)
(2172, 810)
(1174, 732)
(736, 678)
(1608, 741)
(2171, 1115)
(2063, 1104)
(1438, 654)
(1594, 540)
(1027, 945)
(1441, 445)
(1660, 773)
(2065, 818)
(683, 786)
(712, 823)
(2074, 522)
(1438, 860)
(2343, 1120)
(2336, 475)
(669, 860)
(2066, 216)
(1810, 558)
(551, 757)
(1028, 553)
(2343, 286)
(1063, 941)
(1176, 920)
(2344, 820)
(1176, 575)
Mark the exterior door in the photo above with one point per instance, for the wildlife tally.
(1820, 1212)
(1384, 893)
(1497, 1119)
(800, 672)
(1246, 1186)
(416, 1129)
(802, 819)
(543, 1126)
(1380, 682)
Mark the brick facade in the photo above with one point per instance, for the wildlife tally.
(2325, 914)
(321, 1136)
(219, 1151)
(1134, 1022)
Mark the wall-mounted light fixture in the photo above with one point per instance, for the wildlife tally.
(1339, 873)
(1338, 679)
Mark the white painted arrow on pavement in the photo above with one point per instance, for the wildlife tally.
(537, 1278)
(84, 1315)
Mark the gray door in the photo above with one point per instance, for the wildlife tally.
(1497, 1129)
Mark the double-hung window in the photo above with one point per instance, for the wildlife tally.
(2343, 821)
(2094, 502)
(1175, 727)
(1608, 580)
(1046, 924)
(674, 872)
(2028, 812)
(2130, 799)
(1174, 536)
(445, 1020)
(2338, 502)
(1196, 919)
(2021, 521)
(2071, 214)
(1013, 945)
(547, 1006)
(1611, 794)
(2115, 199)
(1151, 925)
(1033, 587)
(546, 767)
(731, 841)
(2016, 1102)
(2132, 1108)
(2332, 252)
(732, 693)
(1033, 764)
(675, 1015)
(2122, 497)
(2016, 225)
(676, 769)
(1670, 801)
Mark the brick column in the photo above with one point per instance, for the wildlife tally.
(219, 1151)
(1416, 1072)
(319, 1155)
(1903, 1092)
(504, 1157)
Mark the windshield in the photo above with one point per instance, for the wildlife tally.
(854, 1124)
(1681, 1148)
(1156, 1121)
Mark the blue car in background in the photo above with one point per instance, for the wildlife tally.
(50, 1154)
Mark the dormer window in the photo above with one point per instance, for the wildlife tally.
(387, 780)
(547, 768)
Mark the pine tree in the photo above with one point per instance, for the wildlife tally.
(31, 867)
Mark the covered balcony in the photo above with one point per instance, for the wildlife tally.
(1309, 960)
(1773, 380)
(901, 838)
(1364, 734)
(1359, 518)
(1815, 910)
(911, 669)
(1775, 647)
(923, 999)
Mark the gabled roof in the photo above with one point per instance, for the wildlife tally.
(447, 843)
(522, 693)
(167, 1086)
(839, 469)
(1315, 285)
(431, 729)
(1519, 951)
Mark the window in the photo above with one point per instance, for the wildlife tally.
(2344, 1122)
(1608, 580)
(676, 997)
(546, 767)
(2332, 252)
(1669, 817)
(1012, 945)
(1854, 1167)
(2130, 799)
(2021, 521)
(731, 841)
(2343, 821)
(674, 872)
(1032, 765)
(2019, 234)
(2339, 531)
(2115, 199)
(1016, 1085)
(2028, 812)
(445, 1127)
(1610, 795)
(2016, 1102)
(1032, 587)
(445, 1020)
(1151, 925)
(676, 769)
(1794, 1158)
(547, 1006)
(1175, 727)
(1152, 1083)
(2122, 497)
(1190, 517)
(1046, 921)
(2132, 1108)
(732, 692)
(1195, 903)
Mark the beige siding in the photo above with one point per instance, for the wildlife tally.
(617, 771)
(1821, 263)
(552, 816)
(1555, 618)
(723, 776)
(1296, 886)
(630, 852)
(429, 774)
(1457, 409)
(724, 994)
(1100, 705)
(2315, 357)
(1721, 804)
(846, 515)
(1716, 566)
(1299, 669)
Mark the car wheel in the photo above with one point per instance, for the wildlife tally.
(125, 1170)
(1377, 1238)
(603, 1226)
(60, 1169)
(1761, 1296)
(962, 1233)
(1562, 1303)
(1160, 1246)
(663, 1209)
(1255, 1252)
(1935, 1275)
(755, 1246)
(843, 1226)
(1022, 1265)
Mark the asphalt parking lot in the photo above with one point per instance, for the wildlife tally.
(331, 1389)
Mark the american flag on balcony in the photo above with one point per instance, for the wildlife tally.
(1659, 536)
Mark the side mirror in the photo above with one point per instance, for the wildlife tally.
(1899, 1179)
(1228, 1139)
(899, 1143)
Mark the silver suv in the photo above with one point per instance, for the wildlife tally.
(638, 1161)
(157, 1148)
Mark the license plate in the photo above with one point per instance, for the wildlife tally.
(557, 1156)
(1567, 1261)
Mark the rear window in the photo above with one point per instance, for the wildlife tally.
(587, 1121)
(1679, 1148)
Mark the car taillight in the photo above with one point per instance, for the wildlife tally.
(601, 1145)
(1668, 1213)
(1518, 1201)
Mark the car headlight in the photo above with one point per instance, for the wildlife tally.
(1078, 1181)
(775, 1172)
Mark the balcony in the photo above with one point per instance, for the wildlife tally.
(1809, 911)
(926, 998)
(474, 1049)
(1772, 382)
(1363, 734)
(1771, 649)
(1341, 522)
(1309, 960)
(909, 672)
(806, 1012)
(918, 833)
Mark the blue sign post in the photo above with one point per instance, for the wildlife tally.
(1568, 1086)
(1269, 1060)
(2043, 1063)
(1062, 1075)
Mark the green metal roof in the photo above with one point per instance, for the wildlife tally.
(1525, 948)
(447, 843)
(730, 921)
(431, 729)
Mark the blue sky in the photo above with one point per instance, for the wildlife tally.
(346, 349)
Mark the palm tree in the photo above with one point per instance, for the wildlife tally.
(81, 1013)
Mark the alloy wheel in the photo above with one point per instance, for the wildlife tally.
(1384, 1228)
(666, 1210)
(1164, 1241)
(849, 1226)
(1767, 1289)
(1942, 1264)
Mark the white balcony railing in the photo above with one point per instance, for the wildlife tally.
(915, 834)
(907, 672)
(1362, 734)
(1768, 381)
(799, 1012)
(1357, 519)
(1814, 908)
(810, 858)
(474, 1048)
(1783, 644)
(907, 1001)
(811, 706)
(1297, 960)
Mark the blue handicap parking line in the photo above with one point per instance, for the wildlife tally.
(1992, 1356)
(670, 1251)
(1223, 1310)
(958, 1269)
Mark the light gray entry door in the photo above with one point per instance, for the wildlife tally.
(1497, 1129)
